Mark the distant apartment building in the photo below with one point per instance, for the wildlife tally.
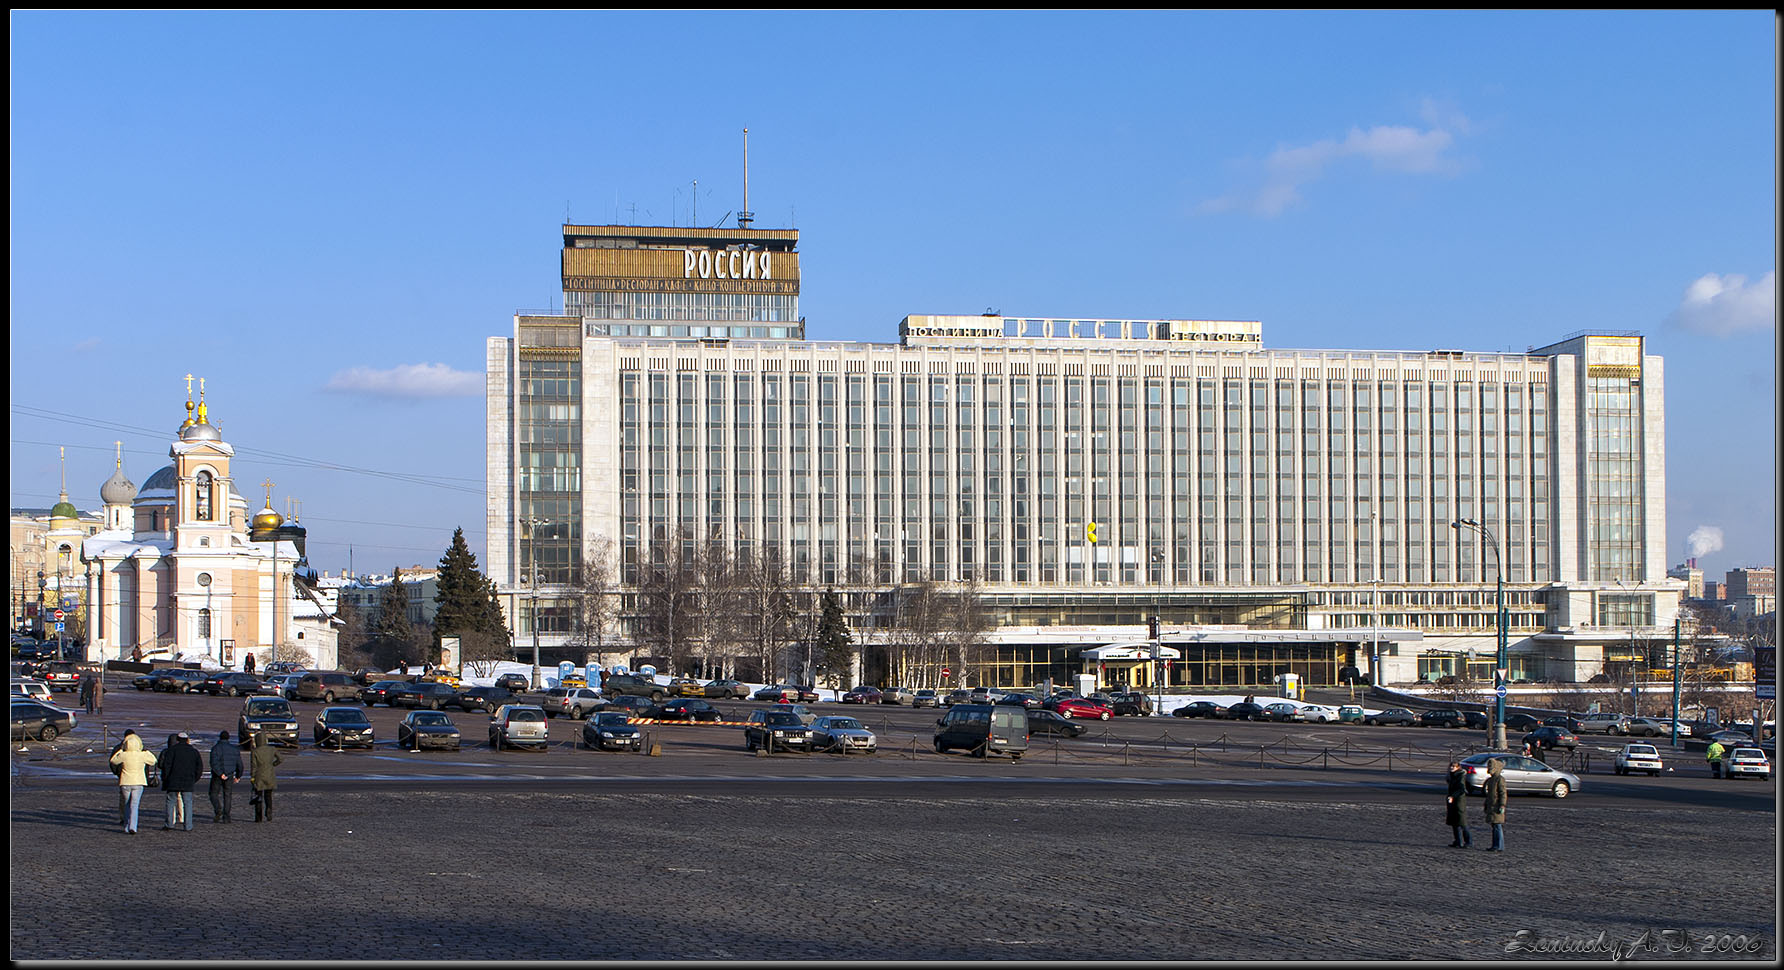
(1750, 581)
(1692, 576)
(365, 592)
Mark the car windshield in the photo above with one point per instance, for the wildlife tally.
(262, 708)
(613, 719)
(344, 717)
(526, 716)
(844, 723)
(432, 719)
(779, 719)
(1753, 753)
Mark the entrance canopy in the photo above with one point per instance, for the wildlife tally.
(1133, 650)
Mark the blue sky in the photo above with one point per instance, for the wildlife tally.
(325, 214)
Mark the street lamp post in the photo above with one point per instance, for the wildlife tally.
(1675, 673)
(1499, 668)
(531, 576)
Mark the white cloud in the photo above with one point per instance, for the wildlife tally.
(1393, 148)
(91, 343)
(408, 380)
(1704, 540)
(1722, 306)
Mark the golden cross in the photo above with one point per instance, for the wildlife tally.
(269, 492)
(188, 387)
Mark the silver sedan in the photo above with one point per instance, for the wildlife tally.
(842, 734)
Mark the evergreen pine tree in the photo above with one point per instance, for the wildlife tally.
(832, 652)
(466, 601)
(392, 623)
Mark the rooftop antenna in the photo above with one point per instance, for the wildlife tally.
(744, 215)
(694, 213)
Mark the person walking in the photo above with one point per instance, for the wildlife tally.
(248, 664)
(118, 769)
(133, 765)
(1715, 755)
(261, 763)
(1455, 809)
(226, 770)
(87, 693)
(1494, 790)
(179, 776)
(98, 690)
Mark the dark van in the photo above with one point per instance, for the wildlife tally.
(983, 729)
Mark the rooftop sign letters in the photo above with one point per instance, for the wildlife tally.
(733, 265)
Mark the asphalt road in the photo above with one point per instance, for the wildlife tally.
(1164, 840)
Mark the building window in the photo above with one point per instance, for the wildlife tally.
(204, 497)
(204, 624)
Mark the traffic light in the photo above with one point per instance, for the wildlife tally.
(1090, 531)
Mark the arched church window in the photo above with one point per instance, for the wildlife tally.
(204, 624)
(204, 496)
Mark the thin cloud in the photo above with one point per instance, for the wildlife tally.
(408, 381)
(91, 343)
(1390, 148)
(1723, 306)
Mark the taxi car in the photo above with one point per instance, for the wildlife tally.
(1639, 757)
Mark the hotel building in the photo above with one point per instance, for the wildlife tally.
(1277, 510)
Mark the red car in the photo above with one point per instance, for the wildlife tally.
(1079, 707)
(863, 695)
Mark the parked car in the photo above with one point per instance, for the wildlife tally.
(519, 726)
(179, 680)
(64, 676)
(611, 731)
(1730, 738)
(1084, 708)
(807, 693)
(1565, 722)
(724, 690)
(862, 694)
(686, 687)
(379, 692)
(1552, 737)
(1521, 775)
(327, 686)
(1319, 713)
(630, 705)
(1047, 722)
(282, 685)
(35, 719)
(1638, 757)
(427, 729)
(517, 683)
(984, 729)
(1350, 714)
(634, 684)
(269, 716)
(1521, 722)
(1474, 719)
(483, 698)
(1030, 701)
(1244, 711)
(1445, 719)
(282, 667)
(1604, 723)
(804, 713)
(1130, 704)
(35, 690)
(776, 729)
(1199, 709)
(926, 698)
(842, 734)
(1744, 762)
(425, 693)
(1654, 727)
(895, 695)
(684, 709)
(576, 702)
(146, 681)
(1397, 715)
(953, 697)
(339, 727)
(232, 683)
(1282, 711)
(366, 676)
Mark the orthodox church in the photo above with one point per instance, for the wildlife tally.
(181, 572)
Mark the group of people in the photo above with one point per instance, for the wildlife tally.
(93, 692)
(180, 767)
(1455, 809)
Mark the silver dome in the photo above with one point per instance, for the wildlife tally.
(201, 432)
(117, 489)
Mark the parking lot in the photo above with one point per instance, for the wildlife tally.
(1148, 838)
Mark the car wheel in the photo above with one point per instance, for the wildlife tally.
(1562, 789)
(48, 733)
(941, 748)
(1105, 715)
(436, 705)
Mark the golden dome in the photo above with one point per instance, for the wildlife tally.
(267, 519)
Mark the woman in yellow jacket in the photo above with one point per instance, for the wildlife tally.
(133, 778)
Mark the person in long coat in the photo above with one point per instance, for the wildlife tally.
(261, 763)
(1454, 810)
(1494, 790)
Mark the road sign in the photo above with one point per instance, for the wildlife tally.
(60, 627)
(1499, 690)
(946, 671)
(60, 616)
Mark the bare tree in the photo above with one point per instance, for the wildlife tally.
(669, 600)
(288, 651)
(760, 611)
(966, 628)
(596, 607)
(480, 652)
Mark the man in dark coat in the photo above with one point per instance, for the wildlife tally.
(1495, 793)
(87, 693)
(1454, 811)
(226, 770)
(261, 762)
(181, 767)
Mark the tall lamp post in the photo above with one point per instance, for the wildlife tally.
(1499, 604)
(531, 577)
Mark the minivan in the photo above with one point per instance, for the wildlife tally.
(328, 687)
(983, 729)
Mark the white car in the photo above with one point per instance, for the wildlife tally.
(1746, 761)
(282, 685)
(842, 734)
(37, 690)
(1319, 714)
(1639, 757)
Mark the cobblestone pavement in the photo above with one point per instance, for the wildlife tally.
(1048, 868)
